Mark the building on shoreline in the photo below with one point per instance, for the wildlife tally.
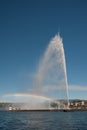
(73, 104)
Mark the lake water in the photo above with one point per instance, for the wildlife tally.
(43, 120)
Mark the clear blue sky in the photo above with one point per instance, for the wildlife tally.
(27, 26)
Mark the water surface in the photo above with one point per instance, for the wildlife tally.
(43, 120)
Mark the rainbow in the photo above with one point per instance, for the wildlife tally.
(35, 96)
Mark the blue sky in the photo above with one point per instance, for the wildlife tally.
(27, 26)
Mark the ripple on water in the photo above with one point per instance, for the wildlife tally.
(43, 121)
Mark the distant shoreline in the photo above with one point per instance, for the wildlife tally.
(49, 110)
(74, 105)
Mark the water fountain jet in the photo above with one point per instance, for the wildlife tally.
(51, 79)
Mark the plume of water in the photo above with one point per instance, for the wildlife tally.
(51, 87)
(51, 79)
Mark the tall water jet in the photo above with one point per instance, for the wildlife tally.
(51, 79)
(51, 86)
